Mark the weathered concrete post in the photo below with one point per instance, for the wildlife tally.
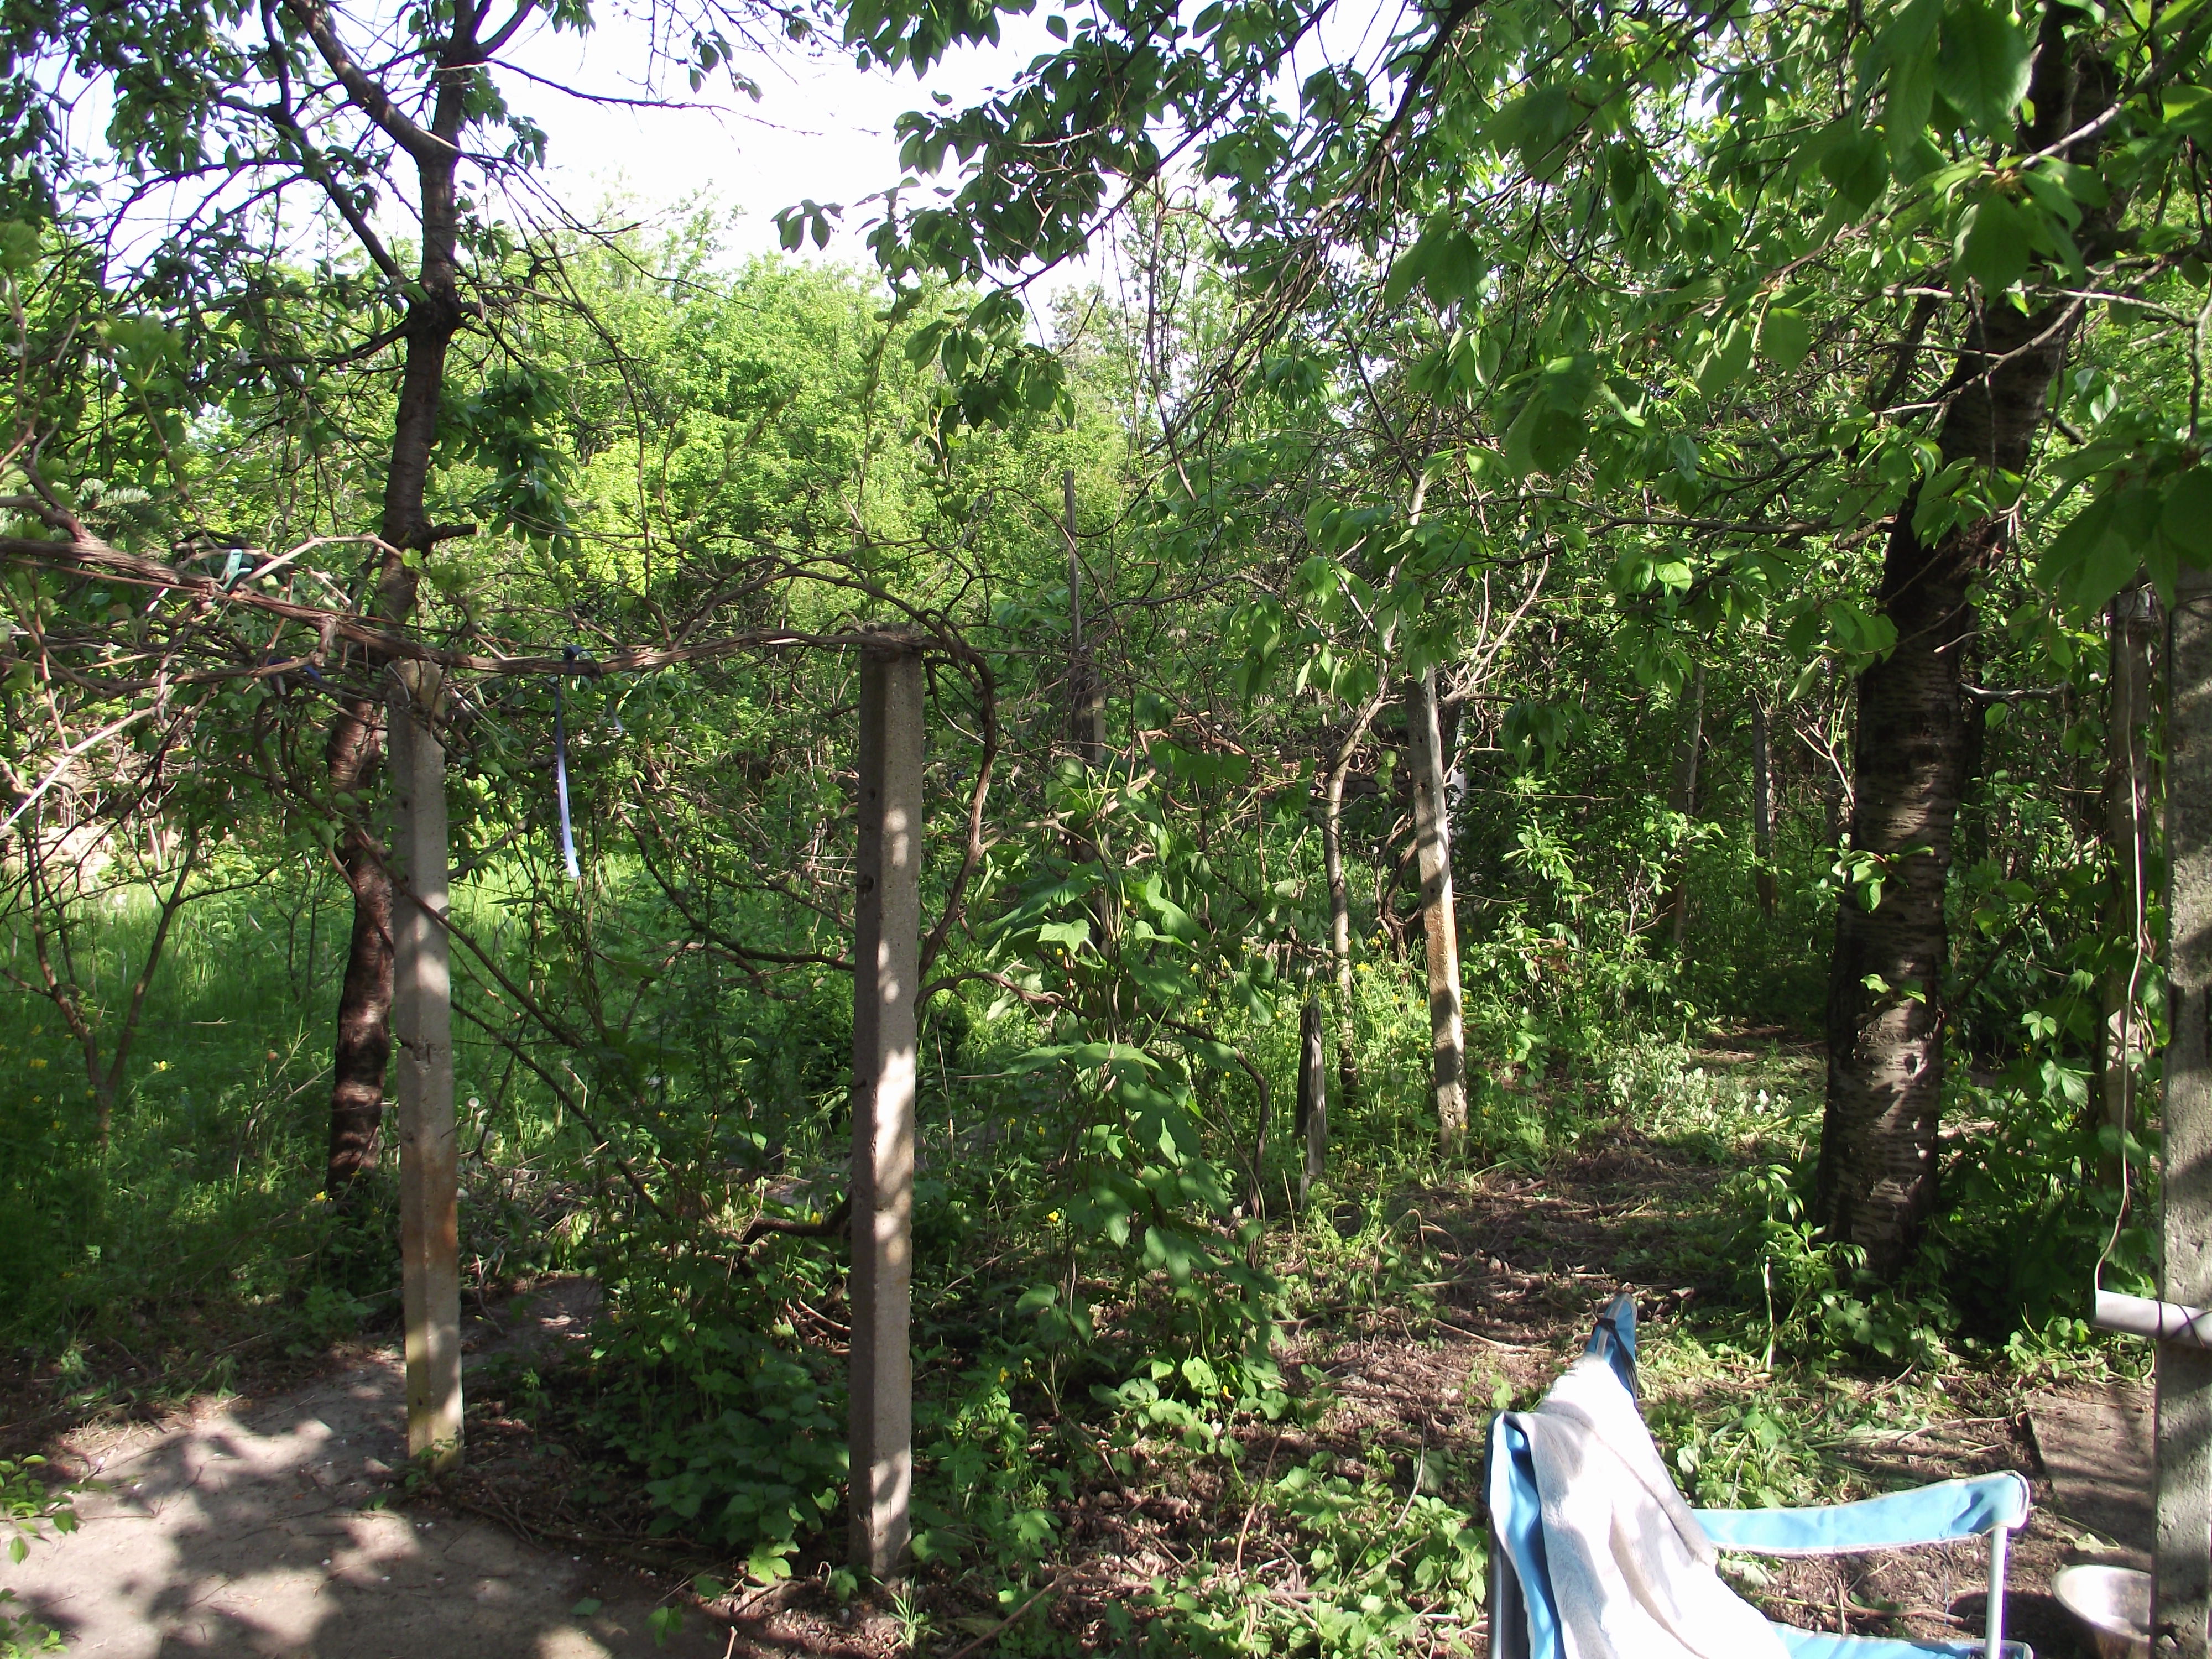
(422, 1019)
(886, 965)
(1432, 835)
(2182, 1569)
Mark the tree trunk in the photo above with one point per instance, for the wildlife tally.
(363, 1044)
(1433, 838)
(1683, 799)
(1312, 1123)
(1762, 812)
(1877, 1181)
(2128, 789)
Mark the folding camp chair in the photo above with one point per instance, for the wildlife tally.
(1524, 1617)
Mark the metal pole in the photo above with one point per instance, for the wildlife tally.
(422, 1011)
(2181, 1592)
(886, 965)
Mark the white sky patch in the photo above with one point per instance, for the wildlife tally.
(629, 140)
(822, 130)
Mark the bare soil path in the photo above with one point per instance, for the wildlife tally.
(268, 1528)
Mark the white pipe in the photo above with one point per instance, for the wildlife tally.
(2162, 1322)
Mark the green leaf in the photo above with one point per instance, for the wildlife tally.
(1166, 984)
(1994, 245)
(2171, 18)
(2089, 560)
(2161, 564)
(1905, 118)
(1857, 165)
(1730, 356)
(1408, 268)
(1543, 438)
(587, 1608)
(1909, 44)
(1074, 935)
(1219, 1055)
(2187, 518)
(1982, 64)
(770, 1564)
(1912, 32)
(2189, 112)
(1784, 336)
(1175, 1251)
(1081, 1054)
(1567, 383)
(1537, 124)
(1857, 630)
(19, 245)
(1171, 918)
(1455, 271)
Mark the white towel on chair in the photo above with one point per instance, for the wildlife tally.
(1632, 1569)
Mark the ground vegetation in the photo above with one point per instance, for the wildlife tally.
(1576, 617)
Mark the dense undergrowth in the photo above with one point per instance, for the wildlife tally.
(1092, 1315)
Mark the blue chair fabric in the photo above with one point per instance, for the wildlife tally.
(1524, 1622)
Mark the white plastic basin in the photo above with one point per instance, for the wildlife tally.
(2114, 1604)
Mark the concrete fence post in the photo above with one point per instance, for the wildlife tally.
(886, 966)
(423, 1015)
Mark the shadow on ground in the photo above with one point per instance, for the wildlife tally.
(267, 1530)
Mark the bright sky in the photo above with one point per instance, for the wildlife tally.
(822, 129)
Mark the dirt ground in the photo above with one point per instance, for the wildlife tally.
(1525, 1263)
(280, 1527)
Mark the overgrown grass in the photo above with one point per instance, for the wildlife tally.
(197, 1237)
